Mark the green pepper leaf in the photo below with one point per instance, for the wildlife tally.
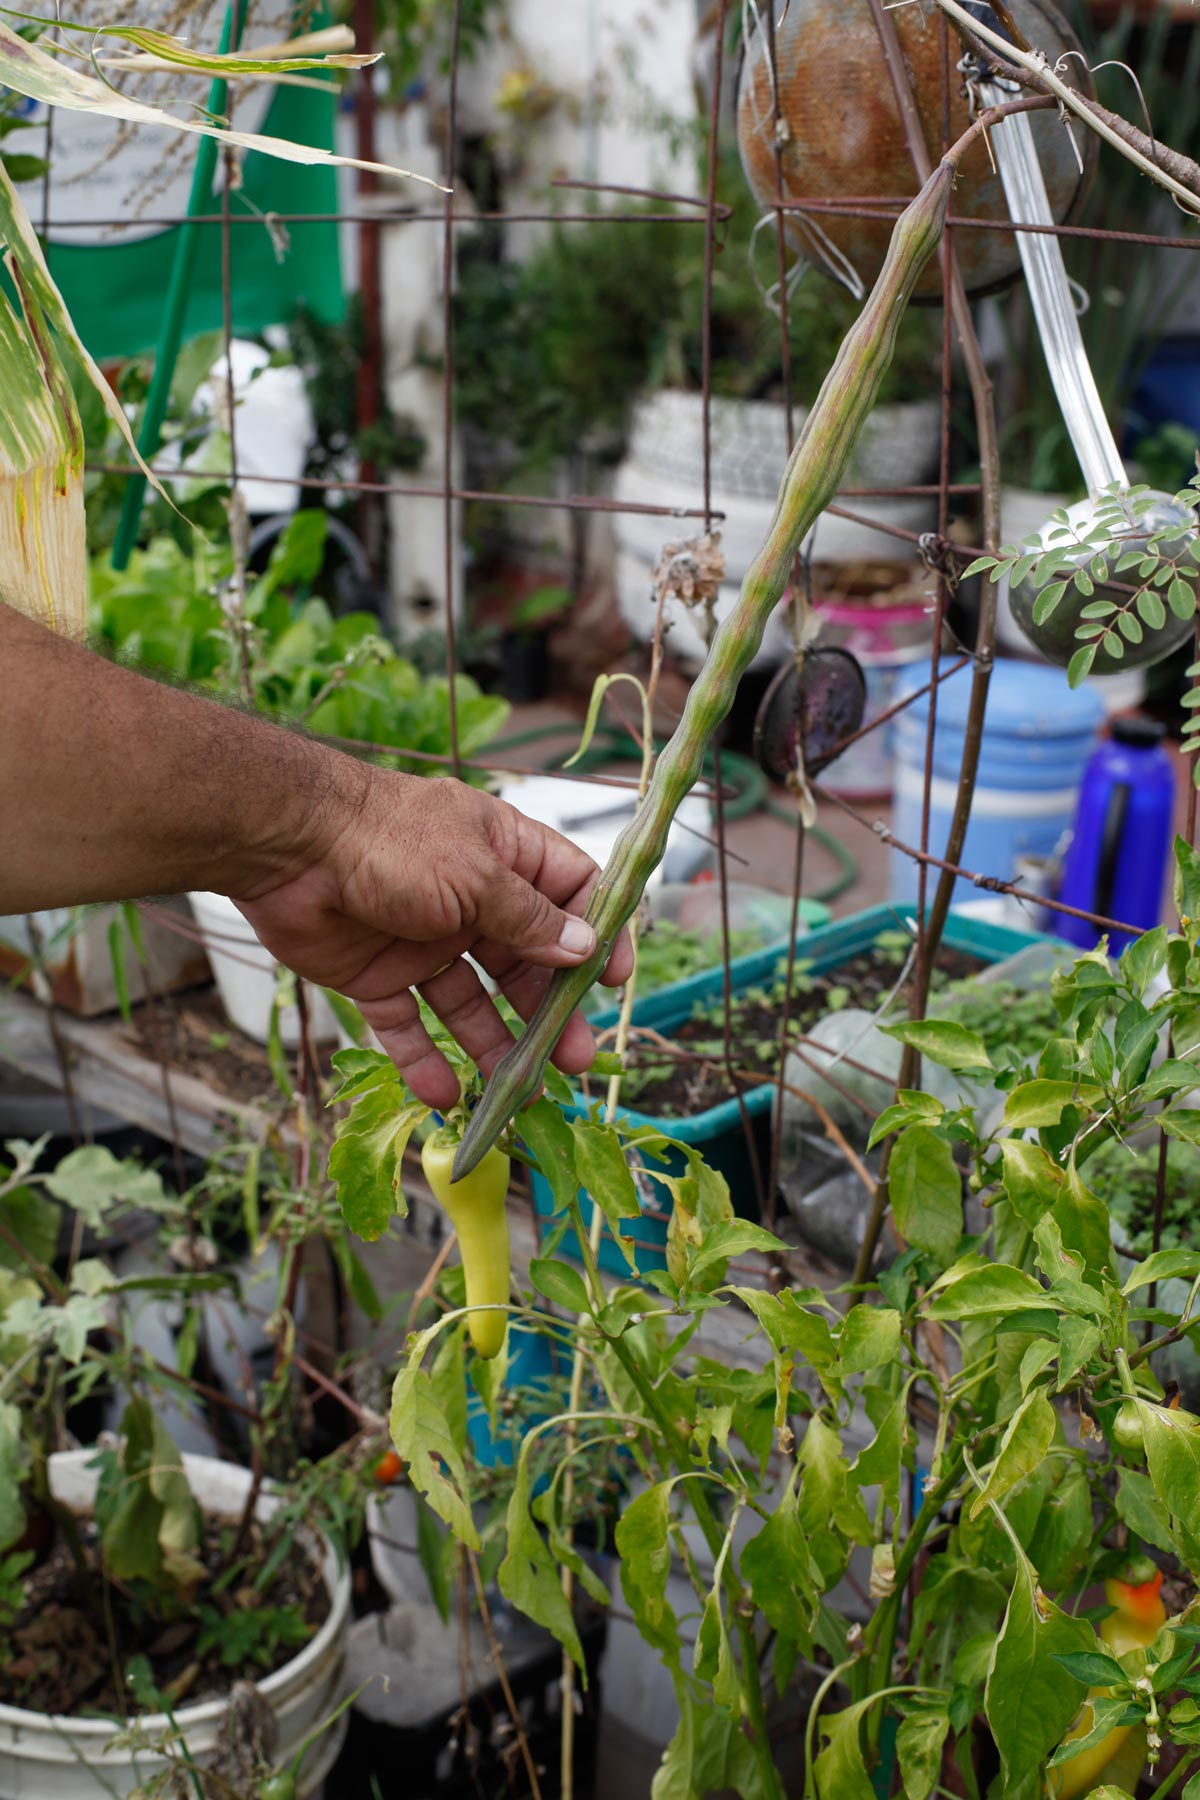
(552, 1141)
(1030, 1699)
(1027, 1438)
(560, 1283)
(644, 1546)
(926, 1192)
(529, 1578)
(944, 1042)
(423, 1438)
(919, 1743)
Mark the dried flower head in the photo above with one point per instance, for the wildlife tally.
(691, 571)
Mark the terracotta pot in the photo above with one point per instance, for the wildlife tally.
(845, 138)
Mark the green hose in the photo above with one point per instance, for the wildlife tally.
(751, 792)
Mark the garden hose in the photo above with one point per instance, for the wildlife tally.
(751, 792)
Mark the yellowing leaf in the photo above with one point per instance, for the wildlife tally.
(30, 71)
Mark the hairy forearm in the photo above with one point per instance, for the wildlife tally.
(113, 785)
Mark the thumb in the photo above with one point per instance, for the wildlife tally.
(512, 913)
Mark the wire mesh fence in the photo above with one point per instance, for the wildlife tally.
(941, 557)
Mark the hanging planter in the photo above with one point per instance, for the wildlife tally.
(841, 135)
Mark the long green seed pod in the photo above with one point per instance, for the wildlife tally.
(810, 481)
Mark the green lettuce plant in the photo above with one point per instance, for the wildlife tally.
(335, 674)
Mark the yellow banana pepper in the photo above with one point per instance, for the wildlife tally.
(477, 1213)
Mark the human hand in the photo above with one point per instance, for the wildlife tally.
(401, 878)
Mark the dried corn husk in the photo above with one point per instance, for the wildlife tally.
(43, 550)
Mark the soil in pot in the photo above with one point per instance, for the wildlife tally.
(194, 1036)
(686, 1076)
(66, 1656)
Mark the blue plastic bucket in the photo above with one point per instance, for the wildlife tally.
(1037, 736)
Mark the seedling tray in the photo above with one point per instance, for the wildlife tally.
(720, 1131)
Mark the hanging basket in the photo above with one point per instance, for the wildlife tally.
(842, 136)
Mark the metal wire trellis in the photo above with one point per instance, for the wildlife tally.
(370, 216)
(374, 213)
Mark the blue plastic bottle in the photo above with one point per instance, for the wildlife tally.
(1116, 862)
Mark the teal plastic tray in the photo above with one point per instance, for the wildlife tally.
(720, 1130)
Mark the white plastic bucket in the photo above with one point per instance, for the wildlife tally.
(245, 975)
(48, 1758)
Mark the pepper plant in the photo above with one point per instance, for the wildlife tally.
(897, 1505)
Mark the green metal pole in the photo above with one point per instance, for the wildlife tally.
(171, 332)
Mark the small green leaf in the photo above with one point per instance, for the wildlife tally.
(1140, 1508)
(1038, 1103)
(990, 1292)
(1032, 1180)
(840, 1772)
(910, 1109)
(561, 1284)
(1080, 664)
(552, 1141)
(943, 1042)
(365, 1157)
(529, 1578)
(1181, 1122)
(1047, 601)
(925, 1189)
(1181, 598)
(870, 1337)
(1093, 1668)
(644, 1547)
(919, 1743)
(603, 1169)
(1172, 1439)
(782, 1578)
(1027, 1438)
(424, 1440)
(1163, 1266)
(734, 1238)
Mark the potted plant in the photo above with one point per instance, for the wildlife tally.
(164, 1616)
(898, 445)
(525, 643)
(981, 1429)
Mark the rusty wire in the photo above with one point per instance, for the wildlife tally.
(688, 210)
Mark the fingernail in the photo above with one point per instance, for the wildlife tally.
(577, 937)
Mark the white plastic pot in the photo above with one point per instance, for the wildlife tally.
(47, 1758)
(245, 975)
(749, 452)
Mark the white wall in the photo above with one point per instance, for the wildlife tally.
(621, 71)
